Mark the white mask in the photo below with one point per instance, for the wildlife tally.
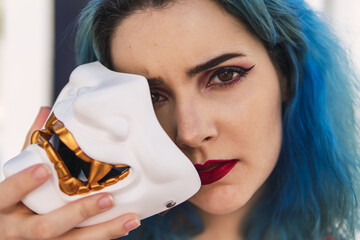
(110, 117)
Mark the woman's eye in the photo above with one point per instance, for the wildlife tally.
(156, 97)
(228, 75)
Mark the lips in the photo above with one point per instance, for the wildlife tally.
(213, 170)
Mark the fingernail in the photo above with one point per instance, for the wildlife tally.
(105, 202)
(41, 173)
(132, 224)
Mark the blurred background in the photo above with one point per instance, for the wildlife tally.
(37, 56)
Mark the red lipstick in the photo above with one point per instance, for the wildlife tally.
(213, 170)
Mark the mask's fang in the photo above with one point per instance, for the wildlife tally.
(68, 184)
(73, 186)
(98, 170)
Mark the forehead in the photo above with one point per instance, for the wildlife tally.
(183, 31)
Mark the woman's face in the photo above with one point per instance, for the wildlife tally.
(215, 92)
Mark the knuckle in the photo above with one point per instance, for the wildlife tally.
(42, 230)
(85, 211)
(18, 181)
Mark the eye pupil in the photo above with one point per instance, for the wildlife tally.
(155, 97)
(226, 76)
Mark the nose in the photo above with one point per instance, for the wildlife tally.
(195, 124)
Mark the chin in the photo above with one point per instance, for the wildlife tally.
(220, 200)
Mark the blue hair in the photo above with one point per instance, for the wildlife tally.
(312, 192)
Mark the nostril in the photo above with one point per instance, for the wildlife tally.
(207, 138)
(192, 142)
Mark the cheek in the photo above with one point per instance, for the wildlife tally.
(265, 124)
(261, 128)
(166, 118)
(261, 135)
(253, 123)
(252, 133)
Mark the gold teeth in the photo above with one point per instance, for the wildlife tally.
(68, 184)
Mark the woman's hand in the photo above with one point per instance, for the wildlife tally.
(19, 222)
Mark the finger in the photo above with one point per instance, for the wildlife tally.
(62, 220)
(38, 123)
(16, 187)
(118, 227)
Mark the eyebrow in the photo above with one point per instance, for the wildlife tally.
(200, 68)
(212, 63)
(153, 82)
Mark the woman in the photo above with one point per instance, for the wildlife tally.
(259, 88)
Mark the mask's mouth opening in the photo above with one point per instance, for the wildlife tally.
(80, 169)
(78, 174)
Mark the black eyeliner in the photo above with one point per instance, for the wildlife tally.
(242, 71)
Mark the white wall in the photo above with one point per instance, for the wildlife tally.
(344, 16)
(347, 16)
(26, 44)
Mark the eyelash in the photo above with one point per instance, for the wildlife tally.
(242, 72)
(159, 95)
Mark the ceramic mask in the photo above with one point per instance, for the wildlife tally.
(107, 128)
